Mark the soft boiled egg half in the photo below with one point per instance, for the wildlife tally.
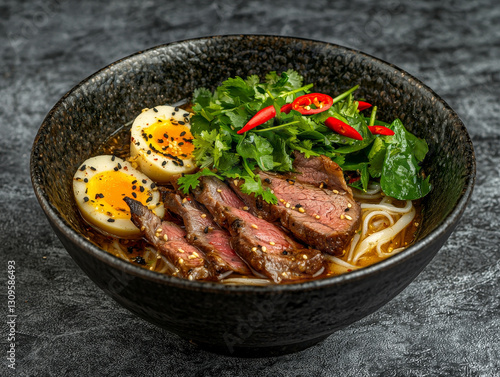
(161, 143)
(101, 183)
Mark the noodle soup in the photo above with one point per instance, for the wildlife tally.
(387, 227)
(295, 185)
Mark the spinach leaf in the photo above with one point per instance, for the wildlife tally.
(401, 176)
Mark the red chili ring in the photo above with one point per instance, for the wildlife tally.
(304, 104)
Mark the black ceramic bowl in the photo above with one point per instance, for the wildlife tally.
(247, 320)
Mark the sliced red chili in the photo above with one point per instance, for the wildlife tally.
(286, 108)
(363, 105)
(381, 130)
(312, 103)
(342, 128)
(354, 179)
(262, 116)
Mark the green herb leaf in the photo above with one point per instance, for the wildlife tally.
(191, 181)
(202, 97)
(254, 186)
(377, 156)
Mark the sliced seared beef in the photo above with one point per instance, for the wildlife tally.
(204, 233)
(263, 245)
(269, 250)
(319, 217)
(319, 171)
(168, 239)
(211, 192)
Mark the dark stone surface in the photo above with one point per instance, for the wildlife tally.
(446, 322)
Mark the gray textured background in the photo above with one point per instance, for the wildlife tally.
(445, 323)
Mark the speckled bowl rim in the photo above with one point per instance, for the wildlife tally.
(446, 225)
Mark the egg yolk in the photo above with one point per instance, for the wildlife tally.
(169, 138)
(106, 191)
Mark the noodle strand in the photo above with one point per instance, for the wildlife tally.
(383, 236)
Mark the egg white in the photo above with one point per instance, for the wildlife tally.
(108, 214)
(162, 162)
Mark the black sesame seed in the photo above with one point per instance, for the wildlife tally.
(134, 187)
(92, 168)
(155, 109)
(153, 185)
(267, 180)
(83, 167)
(85, 180)
(113, 158)
(134, 181)
(176, 108)
(86, 199)
(134, 195)
(180, 144)
(284, 252)
(298, 205)
(139, 260)
(205, 230)
(149, 199)
(181, 122)
(149, 151)
(183, 133)
(346, 210)
(163, 163)
(141, 188)
(144, 181)
(185, 115)
(160, 141)
(111, 220)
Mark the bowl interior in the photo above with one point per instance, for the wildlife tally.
(92, 111)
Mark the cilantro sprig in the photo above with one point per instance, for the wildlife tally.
(219, 151)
